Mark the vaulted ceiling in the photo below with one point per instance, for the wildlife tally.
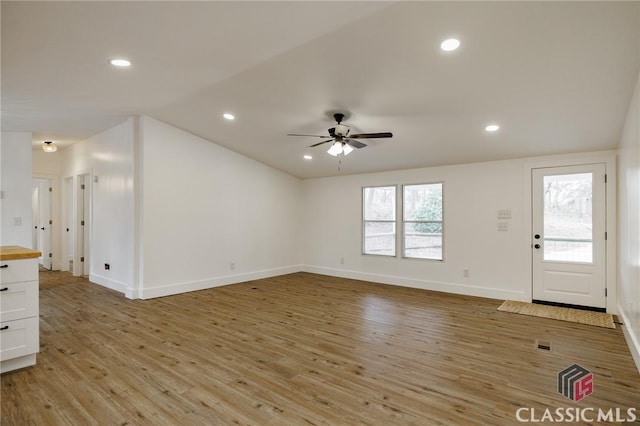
(556, 76)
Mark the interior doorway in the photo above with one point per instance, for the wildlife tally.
(41, 199)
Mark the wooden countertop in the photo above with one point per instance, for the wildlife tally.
(17, 252)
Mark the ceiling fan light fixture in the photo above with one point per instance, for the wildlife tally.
(336, 149)
(49, 146)
(346, 149)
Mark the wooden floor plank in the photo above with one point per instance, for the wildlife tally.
(301, 349)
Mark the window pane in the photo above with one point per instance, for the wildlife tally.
(423, 240)
(422, 207)
(568, 221)
(379, 203)
(380, 238)
(423, 202)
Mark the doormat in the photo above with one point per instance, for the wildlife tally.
(558, 313)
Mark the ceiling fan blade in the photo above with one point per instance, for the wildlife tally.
(356, 144)
(372, 135)
(311, 136)
(320, 143)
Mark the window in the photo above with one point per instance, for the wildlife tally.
(422, 221)
(379, 220)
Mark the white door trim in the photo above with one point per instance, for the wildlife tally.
(607, 157)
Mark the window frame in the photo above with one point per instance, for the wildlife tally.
(394, 221)
(403, 222)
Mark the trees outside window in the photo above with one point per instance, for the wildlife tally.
(422, 221)
(379, 220)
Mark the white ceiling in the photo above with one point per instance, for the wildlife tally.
(557, 76)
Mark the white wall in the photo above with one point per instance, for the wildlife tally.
(205, 207)
(629, 225)
(499, 262)
(15, 184)
(108, 156)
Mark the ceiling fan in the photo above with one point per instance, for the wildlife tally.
(343, 141)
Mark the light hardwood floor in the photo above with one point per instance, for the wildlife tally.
(301, 349)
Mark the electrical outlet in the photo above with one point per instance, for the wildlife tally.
(342, 260)
(232, 265)
(503, 226)
(466, 273)
(107, 267)
(17, 221)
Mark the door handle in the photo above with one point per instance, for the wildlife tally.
(42, 228)
(4, 266)
(537, 246)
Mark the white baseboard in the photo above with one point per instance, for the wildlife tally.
(630, 337)
(108, 282)
(168, 290)
(446, 287)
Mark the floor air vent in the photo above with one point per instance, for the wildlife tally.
(542, 345)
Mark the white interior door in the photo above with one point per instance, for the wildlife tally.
(86, 198)
(42, 221)
(83, 216)
(568, 244)
(69, 228)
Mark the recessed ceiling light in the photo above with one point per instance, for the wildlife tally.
(307, 157)
(450, 44)
(120, 62)
(492, 128)
(228, 116)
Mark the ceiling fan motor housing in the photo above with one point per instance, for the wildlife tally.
(341, 130)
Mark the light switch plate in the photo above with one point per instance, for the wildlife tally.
(503, 226)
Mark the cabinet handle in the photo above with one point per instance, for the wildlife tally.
(4, 288)
(4, 328)
(4, 266)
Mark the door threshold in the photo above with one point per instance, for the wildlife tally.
(568, 305)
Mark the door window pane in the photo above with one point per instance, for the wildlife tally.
(568, 218)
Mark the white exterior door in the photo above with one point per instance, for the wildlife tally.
(569, 240)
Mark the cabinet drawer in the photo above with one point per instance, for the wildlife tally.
(18, 338)
(12, 271)
(18, 300)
